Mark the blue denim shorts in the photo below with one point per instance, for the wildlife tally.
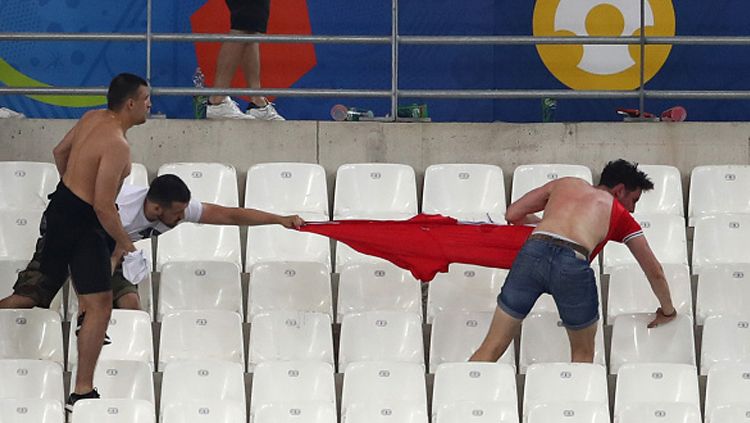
(543, 267)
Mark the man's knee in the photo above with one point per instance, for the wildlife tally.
(98, 302)
(17, 301)
(129, 301)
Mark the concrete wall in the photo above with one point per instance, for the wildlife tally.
(242, 144)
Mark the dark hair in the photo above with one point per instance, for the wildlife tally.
(123, 87)
(624, 172)
(166, 189)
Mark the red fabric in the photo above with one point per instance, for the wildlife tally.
(622, 227)
(427, 244)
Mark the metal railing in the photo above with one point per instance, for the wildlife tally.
(394, 40)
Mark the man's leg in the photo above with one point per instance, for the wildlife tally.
(582, 346)
(17, 301)
(251, 69)
(229, 59)
(501, 333)
(91, 337)
(129, 301)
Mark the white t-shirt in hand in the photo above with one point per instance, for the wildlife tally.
(130, 203)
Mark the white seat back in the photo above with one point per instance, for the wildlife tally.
(383, 384)
(728, 385)
(633, 342)
(666, 197)
(381, 336)
(721, 240)
(726, 339)
(19, 230)
(549, 383)
(196, 381)
(660, 412)
(529, 177)
(208, 182)
(375, 191)
(31, 411)
(26, 185)
(138, 176)
(114, 411)
(722, 290)
(123, 379)
(31, 379)
(193, 242)
(290, 336)
(285, 188)
(204, 411)
(642, 383)
(478, 412)
(31, 333)
(734, 413)
(289, 286)
(483, 383)
(718, 189)
(310, 411)
(271, 243)
(666, 236)
(196, 285)
(472, 192)
(400, 411)
(292, 384)
(201, 334)
(377, 287)
(575, 412)
(464, 288)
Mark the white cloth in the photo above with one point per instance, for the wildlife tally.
(130, 202)
(136, 266)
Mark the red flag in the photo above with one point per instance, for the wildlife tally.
(427, 244)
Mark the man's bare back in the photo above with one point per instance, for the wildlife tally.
(97, 134)
(577, 211)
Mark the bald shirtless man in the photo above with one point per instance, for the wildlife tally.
(578, 220)
(84, 232)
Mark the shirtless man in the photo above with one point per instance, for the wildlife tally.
(84, 232)
(578, 220)
(144, 212)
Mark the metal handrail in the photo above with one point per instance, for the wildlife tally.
(394, 40)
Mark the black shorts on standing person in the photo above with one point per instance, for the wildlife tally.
(249, 15)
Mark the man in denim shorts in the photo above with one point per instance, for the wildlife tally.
(578, 220)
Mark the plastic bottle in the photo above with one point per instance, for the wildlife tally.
(199, 101)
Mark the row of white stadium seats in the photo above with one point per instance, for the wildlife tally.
(294, 390)
(289, 335)
(466, 191)
(718, 240)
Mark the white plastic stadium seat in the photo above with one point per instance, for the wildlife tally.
(665, 234)
(289, 286)
(486, 386)
(138, 176)
(399, 411)
(208, 182)
(290, 335)
(633, 342)
(309, 412)
(728, 385)
(194, 383)
(721, 240)
(193, 242)
(292, 384)
(723, 290)
(123, 379)
(471, 192)
(269, 243)
(31, 379)
(114, 411)
(464, 288)
(732, 413)
(19, 230)
(726, 339)
(529, 177)
(31, 411)
(380, 336)
(666, 197)
(377, 287)
(718, 189)
(565, 383)
(660, 412)
(204, 411)
(201, 334)
(287, 188)
(131, 335)
(31, 333)
(9, 273)
(25, 185)
(478, 412)
(383, 384)
(196, 285)
(643, 383)
(544, 339)
(375, 191)
(630, 291)
(456, 335)
(573, 412)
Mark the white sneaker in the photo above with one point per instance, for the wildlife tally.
(267, 112)
(227, 109)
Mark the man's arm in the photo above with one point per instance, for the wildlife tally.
(214, 214)
(521, 211)
(112, 165)
(655, 274)
(61, 152)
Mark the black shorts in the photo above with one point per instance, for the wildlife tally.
(249, 15)
(75, 239)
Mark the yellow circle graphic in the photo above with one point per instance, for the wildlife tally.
(602, 67)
